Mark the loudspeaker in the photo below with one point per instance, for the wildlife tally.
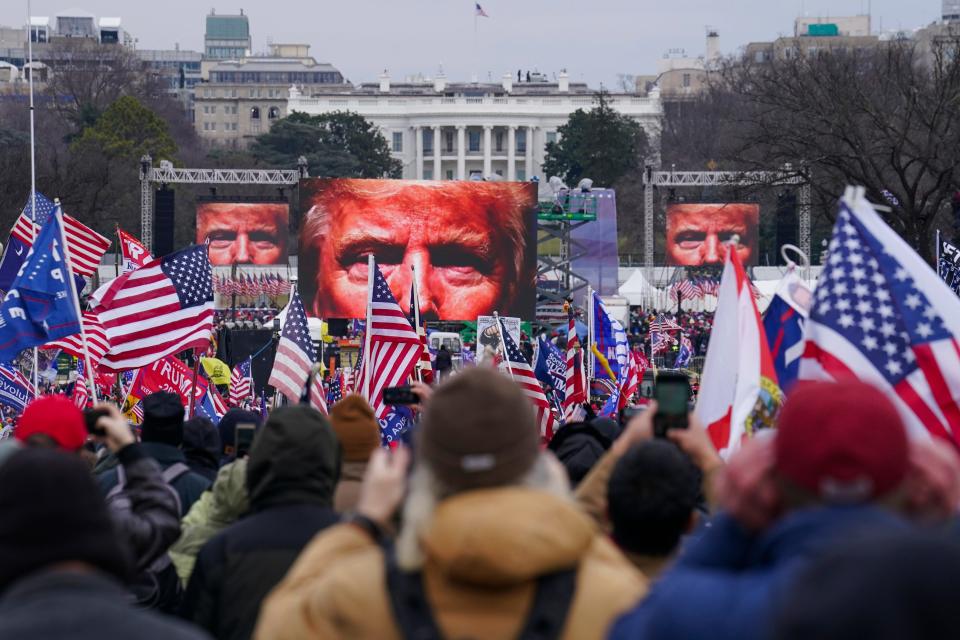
(787, 222)
(163, 221)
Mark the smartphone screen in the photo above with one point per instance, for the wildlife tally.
(244, 438)
(672, 393)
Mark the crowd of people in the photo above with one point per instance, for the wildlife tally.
(300, 525)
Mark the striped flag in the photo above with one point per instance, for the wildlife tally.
(575, 391)
(241, 383)
(219, 406)
(318, 395)
(522, 373)
(86, 245)
(81, 393)
(97, 342)
(395, 347)
(335, 394)
(134, 254)
(881, 314)
(295, 353)
(162, 308)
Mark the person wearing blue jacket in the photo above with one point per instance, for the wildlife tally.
(840, 467)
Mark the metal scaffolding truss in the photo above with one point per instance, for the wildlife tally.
(652, 179)
(166, 173)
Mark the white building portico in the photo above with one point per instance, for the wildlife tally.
(442, 131)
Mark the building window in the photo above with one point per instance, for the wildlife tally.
(521, 174)
(427, 173)
(254, 113)
(428, 141)
(398, 141)
(686, 80)
(551, 137)
(522, 141)
(213, 126)
(449, 141)
(255, 127)
(213, 109)
(273, 113)
(499, 140)
(474, 141)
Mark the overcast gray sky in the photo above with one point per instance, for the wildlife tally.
(594, 39)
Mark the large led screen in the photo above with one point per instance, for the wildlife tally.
(696, 232)
(244, 232)
(473, 245)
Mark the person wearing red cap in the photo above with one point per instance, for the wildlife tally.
(839, 467)
(53, 422)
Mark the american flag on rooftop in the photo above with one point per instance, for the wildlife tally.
(881, 314)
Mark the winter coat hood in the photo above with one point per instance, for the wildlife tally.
(295, 458)
(506, 536)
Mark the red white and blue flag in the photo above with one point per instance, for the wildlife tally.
(241, 383)
(295, 353)
(395, 348)
(86, 245)
(882, 315)
(522, 373)
(575, 393)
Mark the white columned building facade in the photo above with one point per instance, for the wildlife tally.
(467, 131)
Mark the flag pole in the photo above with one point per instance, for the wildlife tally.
(76, 304)
(193, 385)
(416, 314)
(938, 254)
(590, 363)
(33, 173)
(371, 265)
(503, 344)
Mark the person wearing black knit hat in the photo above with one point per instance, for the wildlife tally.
(62, 567)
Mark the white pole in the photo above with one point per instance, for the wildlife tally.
(416, 314)
(501, 329)
(33, 163)
(371, 265)
(76, 303)
(590, 338)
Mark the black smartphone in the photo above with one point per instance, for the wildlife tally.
(243, 435)
(400, 395)
(672, 393)
(90, 417)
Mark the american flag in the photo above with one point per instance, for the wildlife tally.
(241, 383)
(81, 392)
(424, 366)
(138, 412)
(575, 392)
(629, 382)
(295, 353)
(395, 347)
(660, 342)
(86, 245)
(218, 404)
(97, 342)
(686, 288)
(335, 394)
(663, 323)
(697, 285)
(318, 395)
(881, 314)
(522, 373)
(164, 307)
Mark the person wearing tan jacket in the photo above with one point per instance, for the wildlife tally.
(488, 529)
(358, 431)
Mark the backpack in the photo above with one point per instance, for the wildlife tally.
(158, 586)
(414, 617)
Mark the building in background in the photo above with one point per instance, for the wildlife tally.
(444, 131)
(680, 76)
(180, 70)
(815, 35)
(227, 37)
(243, 98)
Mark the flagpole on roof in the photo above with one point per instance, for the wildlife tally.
(33, 166)
(76, 305)
(371, 265)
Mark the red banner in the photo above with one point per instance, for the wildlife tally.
(168, 374)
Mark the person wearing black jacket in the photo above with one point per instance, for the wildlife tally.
(291, 476)
(443, 363)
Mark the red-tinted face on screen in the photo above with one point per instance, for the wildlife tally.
(467, 242)
(244, 233)
(697, 234)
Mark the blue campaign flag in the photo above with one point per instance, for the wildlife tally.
(40, 305)
(685, 355)
(397, 426)
(609, 337)
(15, 391)
(206, 409)
(551, 367)
(17, 248)
(783, 324)
(13, 258)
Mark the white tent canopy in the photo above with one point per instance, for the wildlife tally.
(636, 289)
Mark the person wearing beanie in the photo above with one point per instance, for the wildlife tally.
(839, 467)
(62, 564)
(201, 447)
(358, 431)
(290, 479)
(491, 544)
(161, 435)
